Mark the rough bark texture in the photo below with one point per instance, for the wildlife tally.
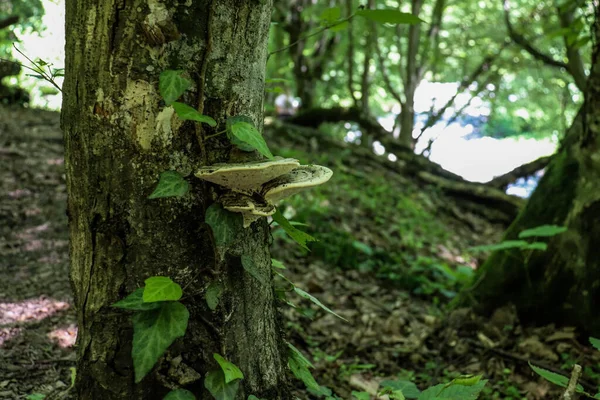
(561, 284)
(119, 137)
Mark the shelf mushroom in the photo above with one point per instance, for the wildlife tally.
(256, 186)
(251, 208)
(247, 176)
(297, 180)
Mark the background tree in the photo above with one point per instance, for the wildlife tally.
(119, 137)
(561, 283)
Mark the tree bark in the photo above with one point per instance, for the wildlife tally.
(561, 284)
(119, 137)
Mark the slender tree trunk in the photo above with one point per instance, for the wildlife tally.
(407, 115)
(561, 284)
(119, 137)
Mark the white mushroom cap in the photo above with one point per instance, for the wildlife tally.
(247, 176)
(301, 178)
(250, 209)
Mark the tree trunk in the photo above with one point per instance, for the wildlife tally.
(119, 137)
(561, 284)
(407, 114)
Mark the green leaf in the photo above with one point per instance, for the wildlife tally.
(595, 342)
(597, 396)
(171, 85)
(339, 26)
(161, 288)
(188, 113)
(543, 230)
(277, 264)
(297, 235)
(216, 385)
(73, 376)
(361, 395)
(299, 368)
(316, 301)
(231, 371)
(508, 244)
(232, 138)
(389, 16)
(224, 224)
(408, 389)
(553, 377)
(170, 184)
(36, 396)
(299, 356)
(247, 133)
(250, 267)
(536, 246)
(453, 391)
(180, 394)
(213, 293)
(135, 301)
(153, 333)
(330, 15)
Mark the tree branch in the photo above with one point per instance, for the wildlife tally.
(575, 63)
(9, 21)
(502, 181)
(465, 83)
(526, 45)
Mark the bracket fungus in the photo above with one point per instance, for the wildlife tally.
(297, 180)
(250, 207)
(247, 176)
(256, 186)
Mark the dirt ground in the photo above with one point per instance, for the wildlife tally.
(390, 333)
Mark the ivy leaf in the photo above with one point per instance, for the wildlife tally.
(250, 267)
(231, 371)
(408, 389)
(316, 301)
(171, 85)
(595, 342)
(389, 16)
(361, 395)
(213, 293)
(216, 385)
(153, 333)
(508, 244)
(135, 302)
(170, 184)
(247, 133)
(224, 224)
(180, 394)
(297, 235)
(188, 113)
(161, 288)
(453, 391)
(234, 140)
(543, 231)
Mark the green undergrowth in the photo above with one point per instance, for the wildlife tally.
(375, 222)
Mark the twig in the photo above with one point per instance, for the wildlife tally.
(572, 386)
(341, 21)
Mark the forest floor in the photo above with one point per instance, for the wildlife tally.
(389, 260)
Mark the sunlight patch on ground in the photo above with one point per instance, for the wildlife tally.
(65, 336)
(8, 333)
(30, 310)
